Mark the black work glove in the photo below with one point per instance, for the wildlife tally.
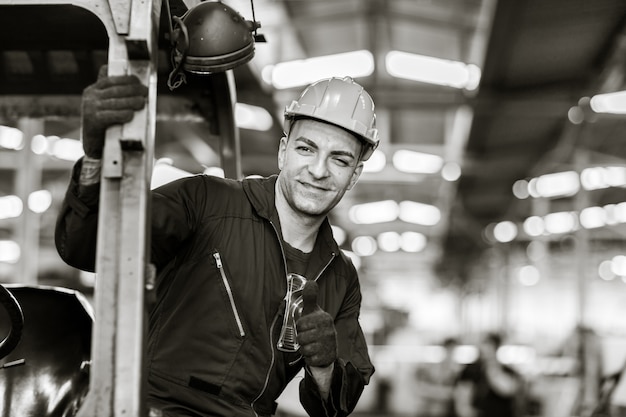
(109, 101)
(316, 332)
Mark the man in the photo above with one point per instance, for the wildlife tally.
(487, 388)
(231, 258)
(437, 382)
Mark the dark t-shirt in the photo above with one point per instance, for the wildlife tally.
(488, 402)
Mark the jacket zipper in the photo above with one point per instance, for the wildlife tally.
(229, 291)
(269, 370)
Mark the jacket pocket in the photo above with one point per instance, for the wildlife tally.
(229, 292)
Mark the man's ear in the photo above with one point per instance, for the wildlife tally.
(356, 174)
(282, 149)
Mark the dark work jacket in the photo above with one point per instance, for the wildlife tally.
(221, 282)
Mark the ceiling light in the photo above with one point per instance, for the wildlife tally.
(560, 222)
(68, 149)
(614, 103)
(419, 213)
(432, 70)
(364, 245)
(603, 177)
(413, 242)
(618, 265)
(10, 206)
(417, 162)
(9, 251)
(505, 231)
(305, 71)
(389, 241)
(529, 275)
(534, 226)
(39, 201)
(252, 117)
(376, 212)
(11, 138)
(558, 184)
(593, 217)
(605, 270)
(451, 171)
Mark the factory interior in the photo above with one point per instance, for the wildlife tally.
(495, 202)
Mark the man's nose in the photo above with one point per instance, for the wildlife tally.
(319, 167)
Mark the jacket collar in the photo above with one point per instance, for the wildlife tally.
(262, 192)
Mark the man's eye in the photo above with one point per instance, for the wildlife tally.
(303, 149)
(342, 162)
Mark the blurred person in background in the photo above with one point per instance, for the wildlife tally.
(488, 388)
(437, 383)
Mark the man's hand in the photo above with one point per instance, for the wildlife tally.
(109, 101)
(316, 332)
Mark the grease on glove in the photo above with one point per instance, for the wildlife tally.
(109, 101)
(316, 331)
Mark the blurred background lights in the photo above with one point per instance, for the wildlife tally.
(560, 222)
(534, 226)
(10, 206)
(558, 184)
(614, 103)
(419, 213)
(364, 245)
(618, 265)
(252, 117)
(9, 251)
(39, 201)
(520, 189)
(451, 171)
(505, 231)
(528, 275)
(356, 259)
(432, 70)
(375, 212)
(68, 149)
(413, 242)
(593, 217)
(605, 270)
(39, 144)
(11, 138)
(304, 71)
(389, 241)
(416, 162)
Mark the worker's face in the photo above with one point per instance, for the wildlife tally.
(319, 162)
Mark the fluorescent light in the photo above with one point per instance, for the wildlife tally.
(376, 212)
(68, 149)
(252, 117)
(389, 241)
(305, 71)
(11, 206)
(505, 231)
(432, 70)
(39, 201)
(364, 245)
(419, 213)
(417, 162)
(9, 251)
(558, 184)
(11, 138)
(560, 222)
(614, 103)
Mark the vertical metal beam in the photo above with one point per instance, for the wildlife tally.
(225, 97)
(27, 180)
(117, 381)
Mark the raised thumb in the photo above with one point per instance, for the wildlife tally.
(309, 297)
